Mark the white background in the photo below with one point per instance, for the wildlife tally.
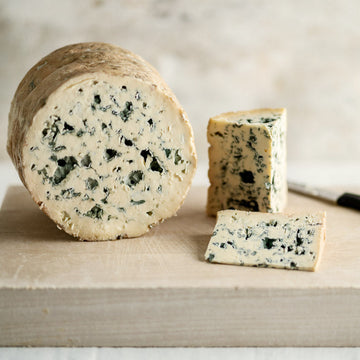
(217, 57)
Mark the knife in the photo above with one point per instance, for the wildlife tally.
(343, 199)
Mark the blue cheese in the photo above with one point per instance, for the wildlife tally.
(289, 241)
(101, 142)
(247, 158)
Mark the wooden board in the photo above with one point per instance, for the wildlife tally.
(157, 290)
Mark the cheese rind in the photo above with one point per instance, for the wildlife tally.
(247, 161)
(289, 241)
(100, 141)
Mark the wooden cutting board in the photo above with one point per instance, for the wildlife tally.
(157, 290)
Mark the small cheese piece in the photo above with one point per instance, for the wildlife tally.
(247, 158)
(267, 240)
(101, 142)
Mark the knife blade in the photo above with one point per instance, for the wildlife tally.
(345, 199)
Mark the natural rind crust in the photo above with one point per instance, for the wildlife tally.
(60, 66)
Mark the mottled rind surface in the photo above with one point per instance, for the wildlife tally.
(57, 74)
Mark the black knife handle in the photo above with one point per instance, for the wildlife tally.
(349, 200)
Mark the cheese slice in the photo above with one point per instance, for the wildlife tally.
(101, 142)
(289, 241)
(247, 158)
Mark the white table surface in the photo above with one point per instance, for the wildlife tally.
(345, 175)
(179, 353)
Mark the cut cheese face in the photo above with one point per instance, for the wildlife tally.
(247, 159)
(289, 241)
(108, 156)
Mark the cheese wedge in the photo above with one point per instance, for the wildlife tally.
(289, 241)
(247, 158)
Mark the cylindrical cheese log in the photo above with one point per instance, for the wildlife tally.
(101, 142)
